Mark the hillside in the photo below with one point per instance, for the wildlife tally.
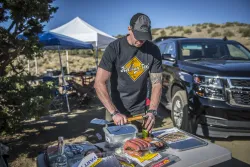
(81, 60)
(232, 30)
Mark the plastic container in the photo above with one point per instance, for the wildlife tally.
(115, 135)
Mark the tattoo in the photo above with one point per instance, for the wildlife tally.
(156, 78)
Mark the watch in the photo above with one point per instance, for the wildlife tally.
(114, 113)
(154, 112)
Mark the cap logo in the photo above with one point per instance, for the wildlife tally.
(144, 28)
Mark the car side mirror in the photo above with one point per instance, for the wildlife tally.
(168, 57)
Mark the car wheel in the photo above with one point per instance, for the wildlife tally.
(179, 112)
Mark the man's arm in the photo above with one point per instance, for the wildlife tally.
(156, 81)
(102, 92)
(101, 89)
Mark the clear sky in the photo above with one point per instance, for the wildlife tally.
(113, 16)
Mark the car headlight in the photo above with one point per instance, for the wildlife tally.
(209, 87)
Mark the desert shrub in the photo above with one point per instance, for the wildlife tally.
(163, 33)
(187, 31)
(215, 34)
(239, 24)
(170, 27)
(153, 31)
(209, 31)
(242, 24)
(172, 32)
(179, 28)
(212, 25)
(229, 24)
(119, 36)
(245, 32)
(198, 29)
(204, 26)
(228, 33)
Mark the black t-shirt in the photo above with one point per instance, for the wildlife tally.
(130, 67)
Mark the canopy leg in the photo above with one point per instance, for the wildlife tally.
(63, 79)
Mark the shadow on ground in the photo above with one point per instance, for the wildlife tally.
(35, 136)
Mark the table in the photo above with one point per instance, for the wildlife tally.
(209, 155)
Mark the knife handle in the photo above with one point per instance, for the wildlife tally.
(139, 117)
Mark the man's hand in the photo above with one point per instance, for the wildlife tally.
(119, 119)
(150, 122)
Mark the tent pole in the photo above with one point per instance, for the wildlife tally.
(96, 61)
(67, 61)
(36, 65)
(63, 79)
(28, 65)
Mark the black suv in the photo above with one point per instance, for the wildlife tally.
(207, 81)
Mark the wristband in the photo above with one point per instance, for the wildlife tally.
(154, 112)
(114, 113)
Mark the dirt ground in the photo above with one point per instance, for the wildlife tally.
(33, 138)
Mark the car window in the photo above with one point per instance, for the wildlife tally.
(237, 51)
(170, 49)
(162, 47)
(189, 51)
(202, 50)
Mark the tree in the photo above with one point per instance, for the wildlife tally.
(26, 17)
(18, 99)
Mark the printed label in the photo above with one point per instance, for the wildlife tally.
(161, 163)
(90, 160)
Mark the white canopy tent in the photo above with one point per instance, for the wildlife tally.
(81, 30)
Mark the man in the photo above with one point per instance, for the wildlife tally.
(128, 62)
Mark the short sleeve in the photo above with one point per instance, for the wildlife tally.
(157, 61)
(108, 59)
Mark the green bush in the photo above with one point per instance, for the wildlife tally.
(179, 28)
(229, 24)
(198, 29)
(187, 31)
(170, 27)
(245, 32)
(228, 33)
(239, 24)
(119, 36)
(204, 26)
(215, 34)
(209, 31)
(172, 32)
(211, 25)
(163, 33)
(20, 100)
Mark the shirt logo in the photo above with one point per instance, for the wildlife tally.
(134, 68)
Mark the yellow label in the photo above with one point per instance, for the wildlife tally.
(126, 164)
(147, 156)
(134, 68)
(96, 162)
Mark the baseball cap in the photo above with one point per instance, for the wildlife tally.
(141, 26)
